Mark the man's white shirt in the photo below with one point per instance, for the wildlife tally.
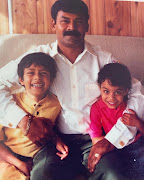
(76, 87)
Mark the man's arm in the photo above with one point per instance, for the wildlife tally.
(12, 115)
(122, 135)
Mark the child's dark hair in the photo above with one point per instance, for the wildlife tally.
(39, 58)
(69, 6)
(117, 74)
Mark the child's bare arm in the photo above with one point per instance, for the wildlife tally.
(7, 156)
(133, 120)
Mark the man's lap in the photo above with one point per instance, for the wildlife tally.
(110, 167)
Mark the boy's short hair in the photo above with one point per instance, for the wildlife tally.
(69, 6)
(117, 74)
(37, 59)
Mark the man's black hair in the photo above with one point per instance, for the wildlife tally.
(117, 75)
(37, 59)
(69, 6)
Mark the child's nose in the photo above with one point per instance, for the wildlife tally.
(111, 96)
(37, 76)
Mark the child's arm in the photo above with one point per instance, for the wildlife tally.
(7, 156)
(133, 120)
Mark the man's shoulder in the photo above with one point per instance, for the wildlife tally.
(46, 48)
(96, 49)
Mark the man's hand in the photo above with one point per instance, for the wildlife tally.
(62, 148)
(97, 151)
(41, 130)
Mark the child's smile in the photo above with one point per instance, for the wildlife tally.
(36, 81)
(112, 96)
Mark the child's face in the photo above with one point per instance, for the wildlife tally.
(112, 96)
(36, 81)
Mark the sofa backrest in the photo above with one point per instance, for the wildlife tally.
(129, 50)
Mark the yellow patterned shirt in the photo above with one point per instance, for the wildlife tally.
(48, 107)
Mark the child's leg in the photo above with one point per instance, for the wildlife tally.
(38, 164)
(9, 172)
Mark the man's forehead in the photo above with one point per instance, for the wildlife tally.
(67, 15)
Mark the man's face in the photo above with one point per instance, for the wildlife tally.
(70, 29)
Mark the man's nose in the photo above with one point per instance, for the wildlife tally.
(72, 26)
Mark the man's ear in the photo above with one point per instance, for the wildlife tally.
(21, 81)
(87, 28)
(53, 25)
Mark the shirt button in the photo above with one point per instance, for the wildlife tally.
(121, 143)
(10, 125)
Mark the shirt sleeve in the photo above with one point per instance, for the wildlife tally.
(96, 125)
(121, 135)
(10, 113)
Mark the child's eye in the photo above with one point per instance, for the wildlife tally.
(106, 91)
(118, 92)
(44, 73)
(30, 72)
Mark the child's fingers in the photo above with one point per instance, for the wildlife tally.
(62, 156)
(131, 111)
(66, 148)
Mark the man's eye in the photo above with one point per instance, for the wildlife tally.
(65, 21)
(79, 21)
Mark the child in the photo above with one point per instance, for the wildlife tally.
(36, 73)
(115, 83)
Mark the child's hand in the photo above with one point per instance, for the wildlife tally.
(130, 119)
(25, 167)
(62, 148)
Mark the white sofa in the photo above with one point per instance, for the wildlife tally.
(129, 50)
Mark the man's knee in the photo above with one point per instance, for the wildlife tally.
(108, 168)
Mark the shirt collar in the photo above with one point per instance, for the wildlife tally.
(54, 50)
(31, 103)
(87, 48)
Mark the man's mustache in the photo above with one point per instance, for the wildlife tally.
(71, 33)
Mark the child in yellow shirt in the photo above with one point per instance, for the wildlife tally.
(36, 73)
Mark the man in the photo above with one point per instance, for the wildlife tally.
(78, 64)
